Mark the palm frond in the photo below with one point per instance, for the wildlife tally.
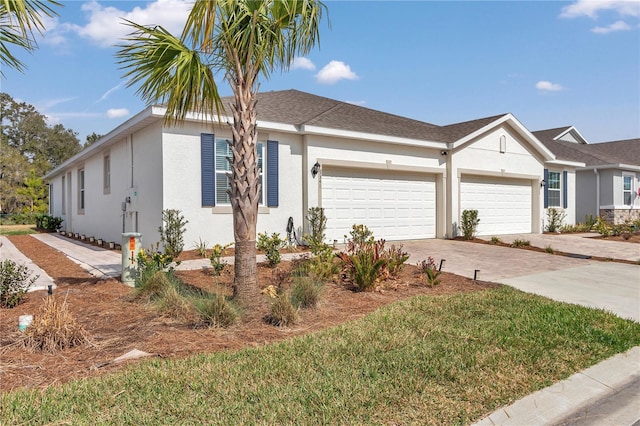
(19, 21)
(168, 72)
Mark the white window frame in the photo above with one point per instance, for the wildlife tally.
(222, 198)
(106, 173)
(63, 208)
(51, 197)
(557, 190)
(630, 191)
(81, 191)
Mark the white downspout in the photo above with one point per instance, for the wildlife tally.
(597, 192)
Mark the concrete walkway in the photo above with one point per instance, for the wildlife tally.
(99, 262)
(9, 251)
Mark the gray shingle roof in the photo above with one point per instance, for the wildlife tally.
(300, 108)
(598, 154)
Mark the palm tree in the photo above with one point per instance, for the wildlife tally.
(244, 39)
(19, 21)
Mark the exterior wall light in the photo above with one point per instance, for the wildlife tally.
(543, 183)
(315, 169)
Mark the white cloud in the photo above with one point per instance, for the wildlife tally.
(547, 86)
(335, 71)
(50, 103)
(616, 26)
(302, 64)
(117, 112)
(591, 8)
(106, 27)
(109, 92)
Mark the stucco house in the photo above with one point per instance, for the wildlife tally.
(608, 184)
(403, 178)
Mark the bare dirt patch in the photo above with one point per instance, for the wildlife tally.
(115, 324)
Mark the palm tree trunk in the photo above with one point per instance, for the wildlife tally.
(244, 189)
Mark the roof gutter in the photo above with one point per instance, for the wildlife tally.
(348, 134)
(575, 164)
(108, 139)
(631, 167)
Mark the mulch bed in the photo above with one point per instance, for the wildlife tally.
(116, 324)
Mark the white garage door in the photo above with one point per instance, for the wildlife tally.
(393, 206)
(504, 205)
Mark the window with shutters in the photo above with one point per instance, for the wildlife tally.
(554, 189)
(223, 158)
(215, 167)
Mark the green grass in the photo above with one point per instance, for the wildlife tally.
(426, 360)
(17, 229)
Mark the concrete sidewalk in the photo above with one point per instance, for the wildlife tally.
(605, 394)
(9, 251)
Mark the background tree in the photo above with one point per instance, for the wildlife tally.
(19, 21)
(28, 143)
(244, 39)
(34, 192)
(91, 139)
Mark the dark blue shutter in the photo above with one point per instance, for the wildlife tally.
(546, 188)
(565, 202)
(272, 174)
(208, 169)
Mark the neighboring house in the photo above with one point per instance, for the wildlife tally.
(609, 183)
(403, 178)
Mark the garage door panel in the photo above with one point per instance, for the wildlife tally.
(504, 205)
(393, 206)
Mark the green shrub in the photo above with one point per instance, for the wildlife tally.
(589, 221)
(470, 223)
(217, 264)
(366, 261)
(520, 243)
(549, 249)
(282, 312)
(396, 258)
(305, 292)
(150, 262)
(152, 285)
(14, 283)
(18, 219)
(172, 232)
(366, 269)
(215, 311)
(48, 223)
(430, 270)
(317, 227)
(602, 227)
(495, 240)
(201, 247)
(555, 218)
(360, 237)
(271, 246)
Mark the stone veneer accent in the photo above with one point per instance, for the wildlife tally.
(619, 216)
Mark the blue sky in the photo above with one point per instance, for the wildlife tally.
(549, 63)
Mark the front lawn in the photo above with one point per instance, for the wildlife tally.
(446, 359)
